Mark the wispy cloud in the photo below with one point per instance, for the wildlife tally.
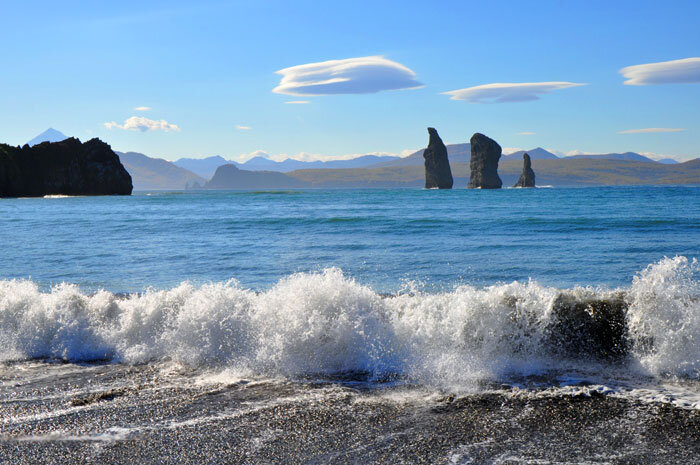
(298, 102)
(363, 75)
(142, 108)
(526, 133)
(684, 71)
(650, 130)
(139, 123)
(508, 92)
(243, 128)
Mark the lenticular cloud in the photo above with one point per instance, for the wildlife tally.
(364, 75)
(508, 92)
(686, 71)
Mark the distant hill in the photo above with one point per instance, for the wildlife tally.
(262, 163)
(569, 171)
(667, 161)
(535, 154)
(204, 167)
(457, 153)
(50, 135)
(229, 176)
(604, 169)
(155, 173)
(630, 156)
(461, 153)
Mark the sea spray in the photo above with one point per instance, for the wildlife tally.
(326, 323)
(664, 317)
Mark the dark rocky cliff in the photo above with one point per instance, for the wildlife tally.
(437, 167)
(68, 167)
(527, 178)
(484, 163)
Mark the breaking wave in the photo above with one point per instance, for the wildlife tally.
(327, 323)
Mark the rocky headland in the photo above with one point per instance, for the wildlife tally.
(437, 167)
(68, 167)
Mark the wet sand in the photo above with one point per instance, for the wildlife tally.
(53, 413)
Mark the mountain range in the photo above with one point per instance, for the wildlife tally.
(458, 153)
(155, 173)
(206, 167)
(567, 171)
(150, 173)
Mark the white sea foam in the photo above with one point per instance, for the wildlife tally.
(327, 323)
(664, 316)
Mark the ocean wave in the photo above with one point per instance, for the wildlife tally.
(327, 323)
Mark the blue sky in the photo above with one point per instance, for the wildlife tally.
(207, 70)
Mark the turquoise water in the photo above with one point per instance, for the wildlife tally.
(340, 310)
(448, 289)
(383, 238)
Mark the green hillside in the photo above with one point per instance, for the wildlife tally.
(560, 172)
(156, 173)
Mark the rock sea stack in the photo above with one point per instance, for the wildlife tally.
(68, 167)
(527, 178)
(437, 167)
(484, 163)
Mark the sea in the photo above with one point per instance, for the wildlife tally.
(539, 326)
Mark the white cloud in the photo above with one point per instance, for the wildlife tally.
(139, 123)
(298, 102)
(659, 156)
(508, 92)
(527, 133)
(509, 150)
(257, 153)
(305, 156)
(572, 153)
(243, 128)
(650, 130)
(142, 108)
(665, 72)
(363, 75)
(244, 157)
(569, 153)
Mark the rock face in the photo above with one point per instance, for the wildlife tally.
(589, 328)
(68, 167)
(484, 163)
(437, 167)
(527, 178)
